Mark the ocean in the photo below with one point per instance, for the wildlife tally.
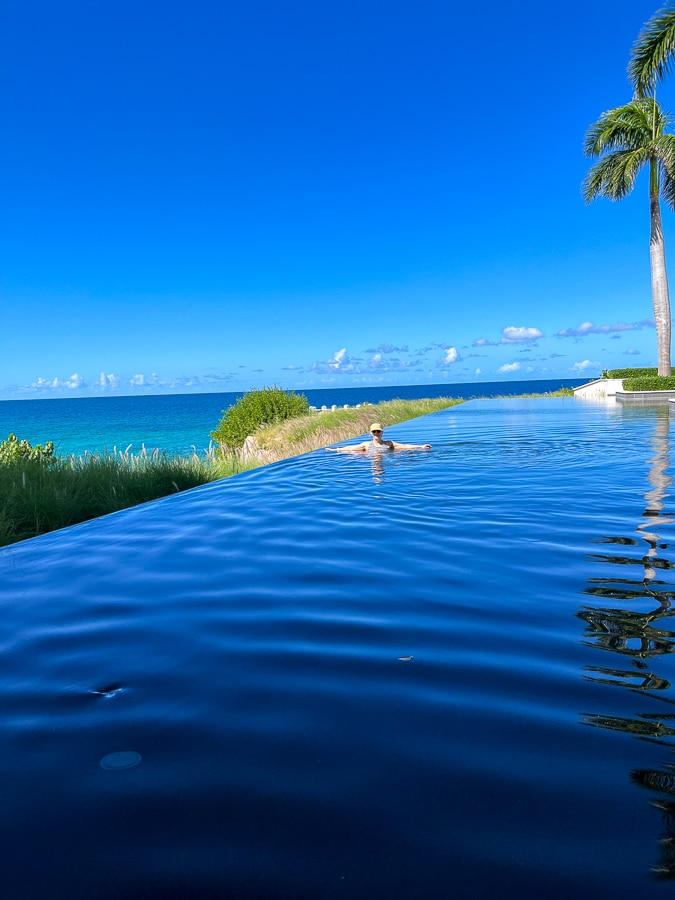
(179, 424)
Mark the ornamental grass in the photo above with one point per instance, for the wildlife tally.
(38, 498)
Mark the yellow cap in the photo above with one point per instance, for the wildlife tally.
(376, 427)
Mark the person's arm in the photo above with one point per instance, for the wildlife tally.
(397, 446)
(355, 448)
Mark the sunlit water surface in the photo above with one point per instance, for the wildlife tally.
(423, 674)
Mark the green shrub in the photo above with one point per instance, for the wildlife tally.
(13, 450)
(650, 383)
(258, 407)
(630, 373)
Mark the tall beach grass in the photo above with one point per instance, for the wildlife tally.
(38, 498)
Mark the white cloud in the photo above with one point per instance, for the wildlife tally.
(631, 352)
(104, 383)
(508, 367)
(520, 335)
(451, 356)
(478, 372)
(108, 381)
(586, 364)
(75, 382)
(340, 363)
(484, 342)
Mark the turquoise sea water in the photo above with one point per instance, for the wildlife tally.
(435, 674)
(181, 423)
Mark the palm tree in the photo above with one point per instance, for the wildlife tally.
(652, 55)
(626, 140)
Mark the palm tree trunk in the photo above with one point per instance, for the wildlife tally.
(657, 259)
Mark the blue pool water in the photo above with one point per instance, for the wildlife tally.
(419, 675)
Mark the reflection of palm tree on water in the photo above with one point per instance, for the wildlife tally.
(628, 632)
(660, 482)
(641, 637)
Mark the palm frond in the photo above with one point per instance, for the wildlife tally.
(614, 175)
(665, 154)
(667, 185)
(624, 127)
(651, 57)
(664, 148)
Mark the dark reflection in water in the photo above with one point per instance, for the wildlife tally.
(377, 465)
(641, 638)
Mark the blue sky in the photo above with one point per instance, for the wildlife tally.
(218, 195)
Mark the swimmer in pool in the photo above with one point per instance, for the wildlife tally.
(377, 443)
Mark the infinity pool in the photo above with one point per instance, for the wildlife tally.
(421, 675)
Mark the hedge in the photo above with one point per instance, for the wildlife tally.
(650, 383)
(630, 373)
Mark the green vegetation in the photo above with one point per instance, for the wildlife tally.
(40, 495)
(14, 450)
(254, 409)
(650, 383)
(642, 379)
(630, 373)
